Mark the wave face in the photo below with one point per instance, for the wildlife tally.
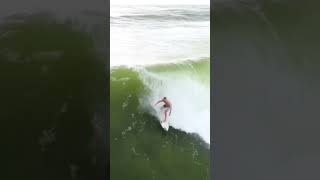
(136, 136)
(185, 84)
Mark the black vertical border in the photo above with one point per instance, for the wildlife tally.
(212, 92)
(58, 7)
(108, 91)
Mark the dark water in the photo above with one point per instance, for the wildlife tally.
(266, 92)
(53, 92)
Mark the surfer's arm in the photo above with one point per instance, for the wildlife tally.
(157, 102)
(170, 110)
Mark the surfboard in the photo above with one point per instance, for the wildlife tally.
(160, 114)
(165, 125)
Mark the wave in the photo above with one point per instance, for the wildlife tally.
(186, 84)
(201, 13)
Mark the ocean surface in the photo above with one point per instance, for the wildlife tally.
(159, 51)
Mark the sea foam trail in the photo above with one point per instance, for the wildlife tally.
(189, 96)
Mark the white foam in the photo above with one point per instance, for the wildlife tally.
(190, 101)
(150, 41)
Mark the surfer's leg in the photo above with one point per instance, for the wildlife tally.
(165, 115)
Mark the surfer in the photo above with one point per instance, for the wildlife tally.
(167, 106)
